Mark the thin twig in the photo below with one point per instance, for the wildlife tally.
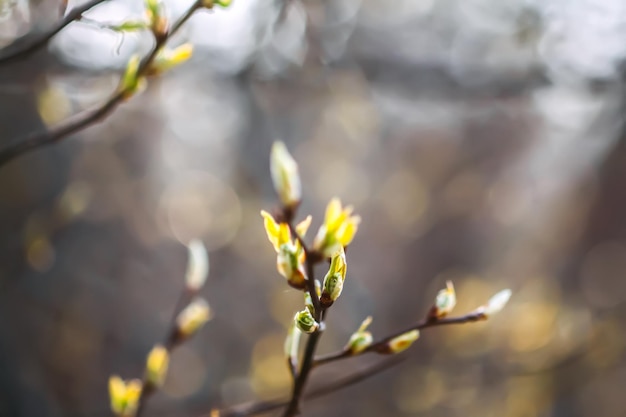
(87, 118)
(313, 339)
(254, 408)
(21, 48)
(169, 342)
(380, 345)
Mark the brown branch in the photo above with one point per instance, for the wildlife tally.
(250, 409)
(170, 342)
(381, 346)
(309, 352)
(22, 48)
(87, 118)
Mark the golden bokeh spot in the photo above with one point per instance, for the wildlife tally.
(53, 105)
(74, 200)
(534, 325)
(197, 204)
(40, 254)
(528, 396)
(269, 373)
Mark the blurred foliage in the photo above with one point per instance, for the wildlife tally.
(481, 141)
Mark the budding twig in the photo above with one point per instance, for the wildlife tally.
(85, 119)
(380, 345)
(21, 48)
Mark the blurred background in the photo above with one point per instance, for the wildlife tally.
(481, 141)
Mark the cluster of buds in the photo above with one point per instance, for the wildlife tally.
(338, 229)
(126, 395)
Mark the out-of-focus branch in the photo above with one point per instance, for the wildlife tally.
(381, 345)
(87, 118)
(254, 408)
(26, 45)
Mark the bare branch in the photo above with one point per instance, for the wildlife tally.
(26, 45)
(250, 409)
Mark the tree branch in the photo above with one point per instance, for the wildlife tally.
(87, 118)
(380, 345)
(250, 409)
(21, 48)
(313, 339)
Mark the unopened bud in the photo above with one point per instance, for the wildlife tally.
(305, 321)
(156, 365)
(292, 341)
(167, 59)
(131, 82)
(334, 279)
(496, 303)
(285, 176)
(290, 264)
(445, 301)
(193, 317)
(157, 18)
(124, 396)
(361, 339)
(197, 265)
(403, 342)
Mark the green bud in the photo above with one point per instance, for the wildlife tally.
(131, 83)
(305, 321)
(334, 279)
(445, 301)
(361, 339)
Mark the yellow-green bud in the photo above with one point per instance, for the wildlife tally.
(445, 301)
(305, 321)
(361, 339)
(124, 396)
(338, 229)
(285, 176)
(290, 264)
(156, 365)
(167, 59)
(403, 342)
(193, 317)
(334, 279)
(131, 82)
